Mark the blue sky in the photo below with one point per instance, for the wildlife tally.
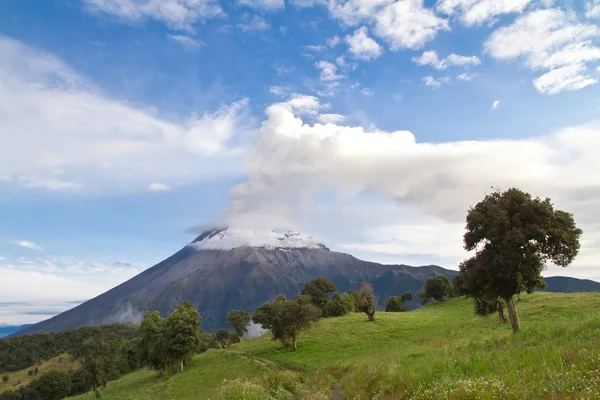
(372, 125)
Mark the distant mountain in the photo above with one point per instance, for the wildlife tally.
(565, 284)
(228, 269)
(6, 330)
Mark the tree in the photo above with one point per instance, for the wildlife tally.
(395, 304)
(514, 236)
(5, 378)
(35, 370)
(183, 331)
(367, 302)
(286, 319)
(340, 304)
(222, 337)
(153, 344)
(239, 321)
(30, 372)
(94, 376)
(318, 290)
(406, 296)
(485, 306)
(435, 288)
(53, 385)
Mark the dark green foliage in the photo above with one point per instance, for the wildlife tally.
(93, 366)
(222, 337)
(286, 319)
(514, 236)
(78, 385)
(395, 304)
(435, 288)
(485, 306)
(318, 290)
(5, 378)
(24, 351)
(35, 370)
(239, 321)
(53, 385)
(30, 372)
(340, 304)
(406, 296)
(367, 302)
(356, 300)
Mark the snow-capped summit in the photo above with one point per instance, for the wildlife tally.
(230, 238)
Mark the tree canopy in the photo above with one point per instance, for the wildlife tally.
(367, 302)
(239, 321)
(53, 385)
(395, 304)
(435, 288)
(318, 290)
(514, 235)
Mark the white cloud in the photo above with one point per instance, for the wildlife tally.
(63, 133)
(279, 90)
(267, 5)
(430, 81)
(333, 41)
(571, 77)
(307, 3)
(431, 58)
(549, 39)
(592, 9)
(474, 12)
(353, 12)
(187, 41)
(407, 24)
(331, 118)
(256, 23)
(304, 105)
(177, 14)
(316, 48)
(367, 91)
(465, 77)
(27, 244)
(407, 196)
(328, 71)
(361, 46)
(495, 104)
(158, 187)
(2, 258)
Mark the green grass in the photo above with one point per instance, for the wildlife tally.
(63, 363)
(440, 351)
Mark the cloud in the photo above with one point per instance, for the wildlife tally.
(361, 46)
(2, 258)
(465, 77)
(267, 5)
(328, 71)
(158, 187)
(353, 12)
(431, 58)
(331, 118)
(67, 134)
(279, 90)
(373, 184)
(27, 244)
(475, 12)
(177, 14)
(304, 105)
(495, 104)
(333, 41)
(316, 48)
(431, 82)
(592, 9)
(186, 41)
(367, 92)
(549, 39)
(256, 23)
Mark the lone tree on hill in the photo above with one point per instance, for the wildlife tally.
(395, 304)
(435, 288)
(318, 290)
(286, 319)
(514, 236)
(239, 321)
(367, 302)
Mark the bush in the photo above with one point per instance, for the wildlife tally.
(340, 304)
(5, 378)
(395, 304)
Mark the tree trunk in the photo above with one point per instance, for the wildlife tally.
(294, 342)
(502, 316)
(512, 314)
(181, 366)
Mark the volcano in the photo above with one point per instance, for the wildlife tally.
(227, 269)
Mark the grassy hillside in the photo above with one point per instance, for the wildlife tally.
(440, 351)
(62, 363)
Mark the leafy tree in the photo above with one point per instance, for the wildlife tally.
(239, 321)
(435, 288)
(485, 306)
(340, 304)
(153, 343)
(406, 296)
(30, 372)
(367, 302)
(318, 290)
(395, 304)
(222, 337)
(35, 370)
(513, 236)
(94, 376)
(183, 330)
(286, 319)
(53, 385)
(356, 300)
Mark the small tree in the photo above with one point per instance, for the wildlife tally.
(485, 307)
(340, 304)
(30, 372)
(406, 296)
(183, 327)
(435, 288)
(94, 376)
(395, 304)
(318, 290)
(53, 385)
(367, 301)
(35, 371)
(153, 347)
(514, 236)
(5, 378)
(239, 321)
(222, 337)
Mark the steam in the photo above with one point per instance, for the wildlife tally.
(254, 331)
(126, 314)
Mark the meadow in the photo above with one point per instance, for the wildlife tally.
(441, 351)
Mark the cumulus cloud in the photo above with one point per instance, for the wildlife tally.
(64, 133)
(279, 90)
(28, 245)
(426, 187)
(254, 23)
(465, 77)
(328, 71)
(267, 5)
(592, 9)
(187, 41)
(549, 39)
(431, 58)
(361, 46)
(431, 82)
(331, 118)
(177, 14)
(474, 12)
(333, 41)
